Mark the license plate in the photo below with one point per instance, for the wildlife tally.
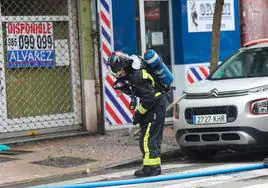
(210, 119)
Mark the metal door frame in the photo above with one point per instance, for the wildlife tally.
(47, 123)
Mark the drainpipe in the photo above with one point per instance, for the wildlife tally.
(98, 69)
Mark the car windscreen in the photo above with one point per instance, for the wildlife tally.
(244, 64)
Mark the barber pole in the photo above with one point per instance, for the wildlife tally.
(117, 110)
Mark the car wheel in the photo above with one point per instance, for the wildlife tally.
(203, 154)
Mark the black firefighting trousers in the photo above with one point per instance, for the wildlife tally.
(152, 127)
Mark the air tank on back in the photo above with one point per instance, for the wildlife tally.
(154, 61)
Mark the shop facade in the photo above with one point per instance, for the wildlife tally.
(39, 68)
(41, 87)
(180, 31)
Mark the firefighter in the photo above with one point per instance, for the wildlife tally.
(150, 113)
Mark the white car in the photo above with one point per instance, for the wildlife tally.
(230, 108)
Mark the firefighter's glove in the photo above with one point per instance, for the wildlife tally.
(137, 117)
(122, 86)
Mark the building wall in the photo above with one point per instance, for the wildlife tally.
(193, 38)
(124, 26)
(254, 19)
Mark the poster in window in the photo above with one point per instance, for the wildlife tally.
(157, 38)
(200, 15)
(30, 44)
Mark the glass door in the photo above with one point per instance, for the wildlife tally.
(153, 24)
(156, 14)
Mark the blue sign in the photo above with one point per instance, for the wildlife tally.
(30, 58)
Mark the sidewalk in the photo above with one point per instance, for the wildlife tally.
(91, 152)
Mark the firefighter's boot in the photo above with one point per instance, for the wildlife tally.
(148, 171)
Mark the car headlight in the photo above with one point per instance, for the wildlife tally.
(259, 106)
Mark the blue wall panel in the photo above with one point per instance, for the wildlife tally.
(124, 26)
(177, 32)
(197, 46)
